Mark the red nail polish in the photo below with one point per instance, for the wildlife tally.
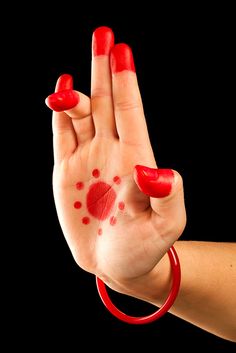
(64, 82)
(121, 58)
(103, 41)
(154, 182)
(63, 100)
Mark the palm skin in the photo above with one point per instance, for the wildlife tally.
(119, 251)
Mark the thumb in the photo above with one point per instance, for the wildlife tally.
(165, 187)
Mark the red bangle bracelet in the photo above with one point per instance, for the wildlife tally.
(176, 276)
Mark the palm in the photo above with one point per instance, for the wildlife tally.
(106, 219)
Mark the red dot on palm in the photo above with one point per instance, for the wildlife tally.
(100, 200)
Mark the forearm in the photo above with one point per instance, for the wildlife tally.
(207, 296)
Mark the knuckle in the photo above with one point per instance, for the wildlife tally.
(126, 104)
(99, 92)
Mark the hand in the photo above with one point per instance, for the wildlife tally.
(106, 200)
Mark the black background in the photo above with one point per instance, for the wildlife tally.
(184, 61)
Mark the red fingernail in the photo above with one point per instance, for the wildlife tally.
(103, 41)
(121, 58)
(64, 82)
(154, 182)
(63, 100)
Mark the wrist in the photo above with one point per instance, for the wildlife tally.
(153, 286)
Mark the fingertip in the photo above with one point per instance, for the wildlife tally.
(103, 41)
(154, 182)
(121, 58)
(64, 82)
(64, 97)
(62, 100)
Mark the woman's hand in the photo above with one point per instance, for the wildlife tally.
(118, 217)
